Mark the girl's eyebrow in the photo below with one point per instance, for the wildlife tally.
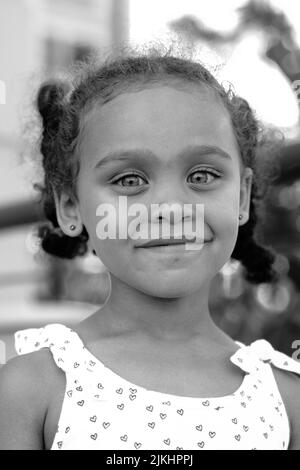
(144, 155)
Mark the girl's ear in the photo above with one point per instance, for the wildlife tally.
(67, 213)
(245, 194)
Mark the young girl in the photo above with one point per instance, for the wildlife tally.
(150, 369)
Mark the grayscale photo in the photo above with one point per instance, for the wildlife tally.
(147, 311)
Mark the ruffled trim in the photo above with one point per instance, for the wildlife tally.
(65, 345)
(249, 358)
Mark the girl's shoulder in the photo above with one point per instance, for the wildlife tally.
(28, 376)
(27, 383)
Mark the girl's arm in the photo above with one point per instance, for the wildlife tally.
(289, 387)
(23, 403)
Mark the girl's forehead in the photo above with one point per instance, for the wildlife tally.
(157, 116)
(158, 99)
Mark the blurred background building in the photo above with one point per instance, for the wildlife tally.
(253, 44)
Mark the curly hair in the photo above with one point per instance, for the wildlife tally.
(64, 104)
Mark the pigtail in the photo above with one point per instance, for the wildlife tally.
(256, 258)
(52, 105)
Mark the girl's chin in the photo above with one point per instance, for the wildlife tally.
(169, 290)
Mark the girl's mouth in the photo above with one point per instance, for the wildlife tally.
(177, 246)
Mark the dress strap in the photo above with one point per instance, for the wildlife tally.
(249, 358)
(65, 345)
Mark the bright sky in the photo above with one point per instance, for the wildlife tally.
(258, 80)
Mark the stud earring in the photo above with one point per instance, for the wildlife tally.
(240, 216)
(72, 227)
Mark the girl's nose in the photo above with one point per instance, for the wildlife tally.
(173, 211)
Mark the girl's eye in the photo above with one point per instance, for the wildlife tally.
(131, 180)
(203, 176)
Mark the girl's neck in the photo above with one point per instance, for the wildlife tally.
(176, 319)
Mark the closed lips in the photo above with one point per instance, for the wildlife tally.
(160, 242)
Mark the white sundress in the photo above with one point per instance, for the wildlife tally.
(102, 410)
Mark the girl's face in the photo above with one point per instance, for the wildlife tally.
(179, 147)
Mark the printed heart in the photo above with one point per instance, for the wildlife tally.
(238, 437)
(70, 393)
(80, 403)
(121, 406)
(124, 438)
(37, 345)
(243, 404)
(167, 441)
(199, 427)
(234, 420)
(271, 427)
(76, 365)
(96, 396)
(59, 444)
(67, 430)
(211, 434)
(262, 419)
(249, 398)
(105, 425)
(285, 363)
(137, 445)
(151, 425)
(94, 436)
(240, 359)
(92, 363)
(245, 428)
(133, 390)
(205, 403)
(162, 415)
(180, 412)
(242, 393)
(200, 444)
(266, 435)
(132, 397)
(119, 390)
(79, 389)
(100, 386)
(93, 419)
(149, 408)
